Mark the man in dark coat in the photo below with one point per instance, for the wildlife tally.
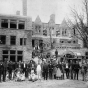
(10, 68)
(1, 70)
(24, 68)
(67, 69)
(76, 70)
(45, 70)
(63, 69)
(5, 65)
(50, 70)
(71, 68)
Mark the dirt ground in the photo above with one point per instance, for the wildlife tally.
(45, 84)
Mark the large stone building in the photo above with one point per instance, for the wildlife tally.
(19, 36)
(15, 38)
(61, 36)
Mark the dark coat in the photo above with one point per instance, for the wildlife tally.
(10, 67)
(45, 67)
(50, 67)
(76, 67)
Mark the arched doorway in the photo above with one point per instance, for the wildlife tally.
(68, 56)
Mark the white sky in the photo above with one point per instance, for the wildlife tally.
(43, 8)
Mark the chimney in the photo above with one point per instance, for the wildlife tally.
(52, 17)
(24, 7)
(17, 12)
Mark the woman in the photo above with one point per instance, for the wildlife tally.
(58, 73)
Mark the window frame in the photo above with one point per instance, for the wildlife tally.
(13, 22)
(13, 40)
(3, 21)
(20, 23)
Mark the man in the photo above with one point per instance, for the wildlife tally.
(63, 69)
(67, 69)
(10, 68)
(1, 70)
(50, 70)
(76, 70)
(71, 68)
(4, 69)
(56, 54)
(45, 70)
(84, 71)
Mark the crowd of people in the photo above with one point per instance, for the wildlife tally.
(20, 71)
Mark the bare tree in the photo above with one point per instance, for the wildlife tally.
(80, 27)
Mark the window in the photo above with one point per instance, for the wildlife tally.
(69, 41)
(5, 51)
(61, 41)
(5, 55)
(13, 24)
(2, 39)
(19, 56)
(86, 53)
(23, 41)
(37, 28)
(40, 43)
(45, 32)
(74, 31)
(12, 55)
(21, 25)
(33, 43)
(4, 23)
(64, 32)
(19, 52)
(13, 40)
(57, 32)
(74, 42)
(12, 52)
(13, 58)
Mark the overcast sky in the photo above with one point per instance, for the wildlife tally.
(43, 8)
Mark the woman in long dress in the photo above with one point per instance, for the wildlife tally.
(58, 73)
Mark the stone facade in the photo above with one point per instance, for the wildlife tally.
(61, 35)
(16, 43)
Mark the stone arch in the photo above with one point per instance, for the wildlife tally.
(69, 52)
(67, 56)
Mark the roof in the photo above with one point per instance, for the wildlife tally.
(38, 20)
(14, 16)
(64, 24)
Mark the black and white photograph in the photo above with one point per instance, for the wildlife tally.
(43, 43)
